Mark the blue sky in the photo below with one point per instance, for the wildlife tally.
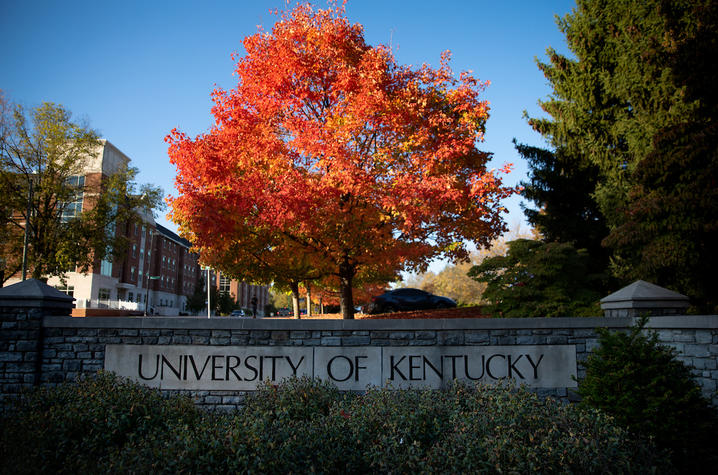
(137, 69)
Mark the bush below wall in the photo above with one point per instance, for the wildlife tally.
(108, 425)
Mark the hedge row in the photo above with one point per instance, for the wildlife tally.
(110, 425)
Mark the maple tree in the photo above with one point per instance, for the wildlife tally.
(341, 155)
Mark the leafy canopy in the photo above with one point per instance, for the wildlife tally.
(329, 151)
(72, 223)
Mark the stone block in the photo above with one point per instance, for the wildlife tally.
(421, 343)
(235, 400)
(87, 332)
(260, 334)
(26, 346)
(450, 338)
(300, 334)
(355, 340)
(331, 341)
(526, 340)
(72, 365)
(704, 336)
(696, 350)
(425, 335)
(556, 340)
(401, 335)
(476, 338)
(280, 335)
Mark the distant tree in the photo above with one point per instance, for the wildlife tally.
(356, 160)
(197, 301)
(225, 303)
(45, 149)
(538, 279)
(453, 280)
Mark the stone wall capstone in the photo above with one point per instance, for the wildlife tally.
(22, 309)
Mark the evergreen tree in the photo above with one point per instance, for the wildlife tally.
(640, 78)
(538, 279)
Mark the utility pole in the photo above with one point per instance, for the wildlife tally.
(209, 311)
(27, 232)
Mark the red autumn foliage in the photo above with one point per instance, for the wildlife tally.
(331, 161)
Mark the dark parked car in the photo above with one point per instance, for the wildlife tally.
(407, 299)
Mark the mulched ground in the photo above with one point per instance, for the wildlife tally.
(462, 312)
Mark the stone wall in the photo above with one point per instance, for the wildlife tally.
(75, 346)
(40, 344)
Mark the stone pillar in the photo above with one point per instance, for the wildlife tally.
(22, 308)
(643, 298)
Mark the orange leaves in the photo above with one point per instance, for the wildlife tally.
(329, 149)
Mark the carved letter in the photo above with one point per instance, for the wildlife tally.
(535, 366)
(157, 367)
(512, 367)
(466, 367)
(349, 374)
(394, 367)
(488, 366)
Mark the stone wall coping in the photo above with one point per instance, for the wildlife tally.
(225, 323)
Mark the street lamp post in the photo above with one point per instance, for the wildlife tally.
(27, 232)
(149, 271)
(209, 308)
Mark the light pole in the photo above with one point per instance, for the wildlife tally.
(149, 271)
(27, 232)
(209, 308)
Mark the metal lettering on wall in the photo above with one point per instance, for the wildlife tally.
(349, 368)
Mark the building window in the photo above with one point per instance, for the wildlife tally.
(106, 268)
(73, 208)
(66, 289)
(224, 284)
(131, 297)
(103, 294)
(134, 250)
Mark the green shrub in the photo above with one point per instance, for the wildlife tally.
(73, 427)
(645, 388)
(305, 425)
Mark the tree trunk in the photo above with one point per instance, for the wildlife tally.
(294, 287)
(346, 299)
(308, 285)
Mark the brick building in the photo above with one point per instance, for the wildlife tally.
(158, 271)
